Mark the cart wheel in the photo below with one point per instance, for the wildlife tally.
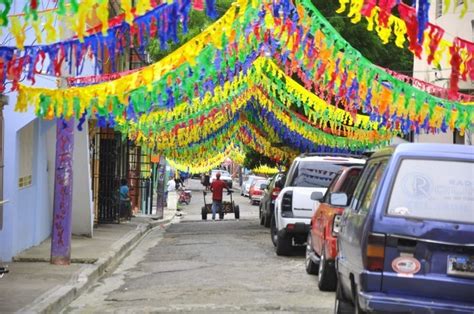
(237, 212)
(204, 213)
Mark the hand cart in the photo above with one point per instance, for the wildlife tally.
(227, 207)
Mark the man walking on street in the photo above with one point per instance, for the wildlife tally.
(217, 186)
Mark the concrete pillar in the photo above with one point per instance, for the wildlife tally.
(63, 180)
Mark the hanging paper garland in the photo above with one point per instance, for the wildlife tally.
(161, 22)
(413, 25)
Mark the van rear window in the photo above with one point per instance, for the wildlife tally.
(435, 190)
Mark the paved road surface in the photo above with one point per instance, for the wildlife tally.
(207, 267)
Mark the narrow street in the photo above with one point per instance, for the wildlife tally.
(205, 266)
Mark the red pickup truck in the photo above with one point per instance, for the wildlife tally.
(321, 248)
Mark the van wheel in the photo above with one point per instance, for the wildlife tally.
(326, 275)
(262, 218)
(342, 306)
(311, 267)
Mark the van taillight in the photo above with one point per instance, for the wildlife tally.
(275, 193)
(375, 252)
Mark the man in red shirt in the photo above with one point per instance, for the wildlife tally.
(217, 186)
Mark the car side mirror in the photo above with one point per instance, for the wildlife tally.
(338, 199)
(263, 186)
(317, 196)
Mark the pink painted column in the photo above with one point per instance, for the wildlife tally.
(62, 212)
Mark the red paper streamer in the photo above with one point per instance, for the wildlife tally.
(198, 5)
(435, 34)
(386, 7)
(408, 14)
(369, 5)
(455, 66)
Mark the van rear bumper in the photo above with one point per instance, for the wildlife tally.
(384, 303)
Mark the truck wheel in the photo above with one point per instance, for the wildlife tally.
(273, 231)
(326, 275)
(311, 267)
(204, 213)
(237, 212)
(284, 246)
(266, 219)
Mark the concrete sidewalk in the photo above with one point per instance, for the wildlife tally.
(35, 286)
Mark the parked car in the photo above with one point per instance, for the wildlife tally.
(267, 204)
(225, 176)
(256, 191)
(321, 248)
(406, 241)
(245, 189)
(294, 207)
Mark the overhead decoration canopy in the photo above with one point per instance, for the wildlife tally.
(265, 72)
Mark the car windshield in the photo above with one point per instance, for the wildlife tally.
(315, 173)
(434, 189)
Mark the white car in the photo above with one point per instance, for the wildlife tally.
(245, 189)
(225, 176)
(294, 207)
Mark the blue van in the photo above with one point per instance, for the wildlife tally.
(406, 240)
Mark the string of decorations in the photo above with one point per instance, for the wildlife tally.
(68, 57)
(423, 37)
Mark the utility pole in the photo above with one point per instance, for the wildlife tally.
(62, 212)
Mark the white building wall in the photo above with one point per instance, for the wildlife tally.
(28, 214)
(454, 26)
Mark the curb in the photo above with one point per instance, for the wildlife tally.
(57, 299)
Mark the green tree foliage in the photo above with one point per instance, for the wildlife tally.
(254, 159)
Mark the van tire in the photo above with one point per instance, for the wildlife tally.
(327, 278)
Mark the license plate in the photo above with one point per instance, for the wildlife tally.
(462, 266)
